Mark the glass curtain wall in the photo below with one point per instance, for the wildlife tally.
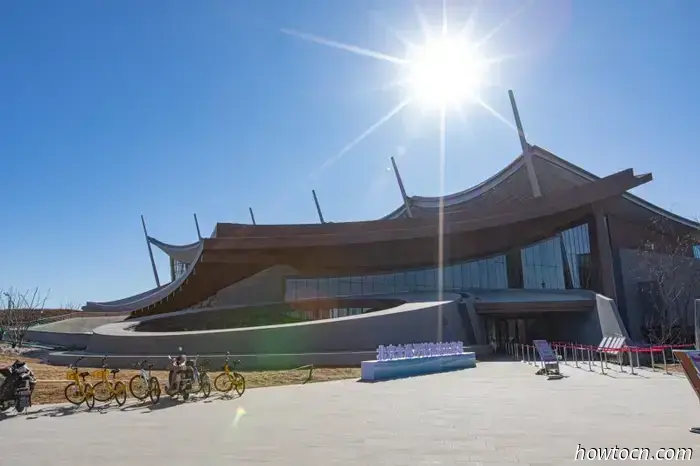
(560, 262)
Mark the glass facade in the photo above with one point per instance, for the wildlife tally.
(560, 262)
(178, 269)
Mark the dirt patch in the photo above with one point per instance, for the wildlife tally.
(52, 379)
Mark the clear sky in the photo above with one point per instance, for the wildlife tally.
(110, 110)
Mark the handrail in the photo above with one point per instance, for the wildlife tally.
(307, 366)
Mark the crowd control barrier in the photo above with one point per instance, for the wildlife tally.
(610, 350)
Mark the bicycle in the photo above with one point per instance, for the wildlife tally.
(144, 384)
(111, 389)
(230, 379)
(79, 390)
(200, 380)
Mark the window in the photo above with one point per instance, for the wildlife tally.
(563, 261)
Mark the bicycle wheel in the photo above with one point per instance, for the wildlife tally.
(154, 390)
(138, 387)
(206, 386)
(73, 394)
(103, 391)
(120, 392)
(223, 383)
(89, 396)
(239, 383)
(196, 387)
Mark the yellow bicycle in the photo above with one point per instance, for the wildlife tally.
(230, 379)
(79, 390)
(106, 389)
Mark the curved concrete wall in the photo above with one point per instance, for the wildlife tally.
(59, 339)
(69, 333)
(408, 323)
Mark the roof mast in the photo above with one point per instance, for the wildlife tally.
(196, 224)
(150, 252)
(252, 215)
(318, 206)
(527, 149)
(406, 202)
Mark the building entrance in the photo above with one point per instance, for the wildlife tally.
(501, 330)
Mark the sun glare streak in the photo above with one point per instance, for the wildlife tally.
(493, 112)
(470, 23)
(489, 35)
(346, 47)
(441, 220)
(444, 18)
(387, 116)
(424, 25)
(395, 32)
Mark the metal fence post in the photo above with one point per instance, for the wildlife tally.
(573, 351)
(629, 350)
(590, 356)
(663, 352)
(602, 363)
(651, 355)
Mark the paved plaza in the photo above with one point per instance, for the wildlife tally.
(498, 413)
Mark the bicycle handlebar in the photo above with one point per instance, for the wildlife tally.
(75, 364)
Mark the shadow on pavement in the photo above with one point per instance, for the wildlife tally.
(56, 411)
(145, 406)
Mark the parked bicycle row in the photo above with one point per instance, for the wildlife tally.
(185, 377)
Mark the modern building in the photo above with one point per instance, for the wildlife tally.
(543, 249)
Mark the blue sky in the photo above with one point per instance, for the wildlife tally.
(110, 110)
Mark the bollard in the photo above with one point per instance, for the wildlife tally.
(663, 352)
(629, 350)
(590, 356)
(619, 359)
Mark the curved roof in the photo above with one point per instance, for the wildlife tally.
(186, 253)
(239, 251)
(511, 182)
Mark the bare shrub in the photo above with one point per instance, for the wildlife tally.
(669, 281)
(19, 310)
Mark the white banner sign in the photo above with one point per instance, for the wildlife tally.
(419, 350)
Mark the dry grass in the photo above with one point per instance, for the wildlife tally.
(50, 385)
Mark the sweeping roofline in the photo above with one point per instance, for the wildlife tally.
(433, 202)
(188, 252)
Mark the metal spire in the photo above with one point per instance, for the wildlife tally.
(252, 215)
(196, 223)
(318, 206)
(406, 202)
(527, 149)
(150, 252)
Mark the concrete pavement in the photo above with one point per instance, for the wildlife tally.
(498, 413)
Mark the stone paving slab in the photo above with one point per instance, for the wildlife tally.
(498, 413)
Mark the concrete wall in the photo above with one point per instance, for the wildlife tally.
(409, 323)
(263, 287)
(248, 361)
(78, 324)
(62, 339)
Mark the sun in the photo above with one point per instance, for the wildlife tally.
(444, 72)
